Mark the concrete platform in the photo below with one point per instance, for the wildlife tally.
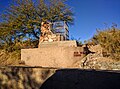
(58, 44)
(63, 54)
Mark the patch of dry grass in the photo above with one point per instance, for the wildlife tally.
(9, 58)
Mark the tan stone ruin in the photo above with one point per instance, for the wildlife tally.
(47, 35)
(54, 49)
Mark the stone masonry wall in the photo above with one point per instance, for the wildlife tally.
(23, 77)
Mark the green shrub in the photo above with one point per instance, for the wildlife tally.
(110, 40)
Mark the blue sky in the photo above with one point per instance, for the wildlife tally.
(89, 15)
(92, 14)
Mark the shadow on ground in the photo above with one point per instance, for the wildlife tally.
(82, 79)
(14, 77)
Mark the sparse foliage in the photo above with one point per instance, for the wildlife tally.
(22, 20)
(110, 40)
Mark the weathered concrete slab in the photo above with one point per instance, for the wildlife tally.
(58, 44)
(62, 57)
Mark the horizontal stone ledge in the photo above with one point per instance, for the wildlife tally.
(99, 70)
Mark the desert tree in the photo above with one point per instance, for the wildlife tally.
(24, 17)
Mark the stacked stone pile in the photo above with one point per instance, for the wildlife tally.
(97, 61)
(102, 63)
(51, 38)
